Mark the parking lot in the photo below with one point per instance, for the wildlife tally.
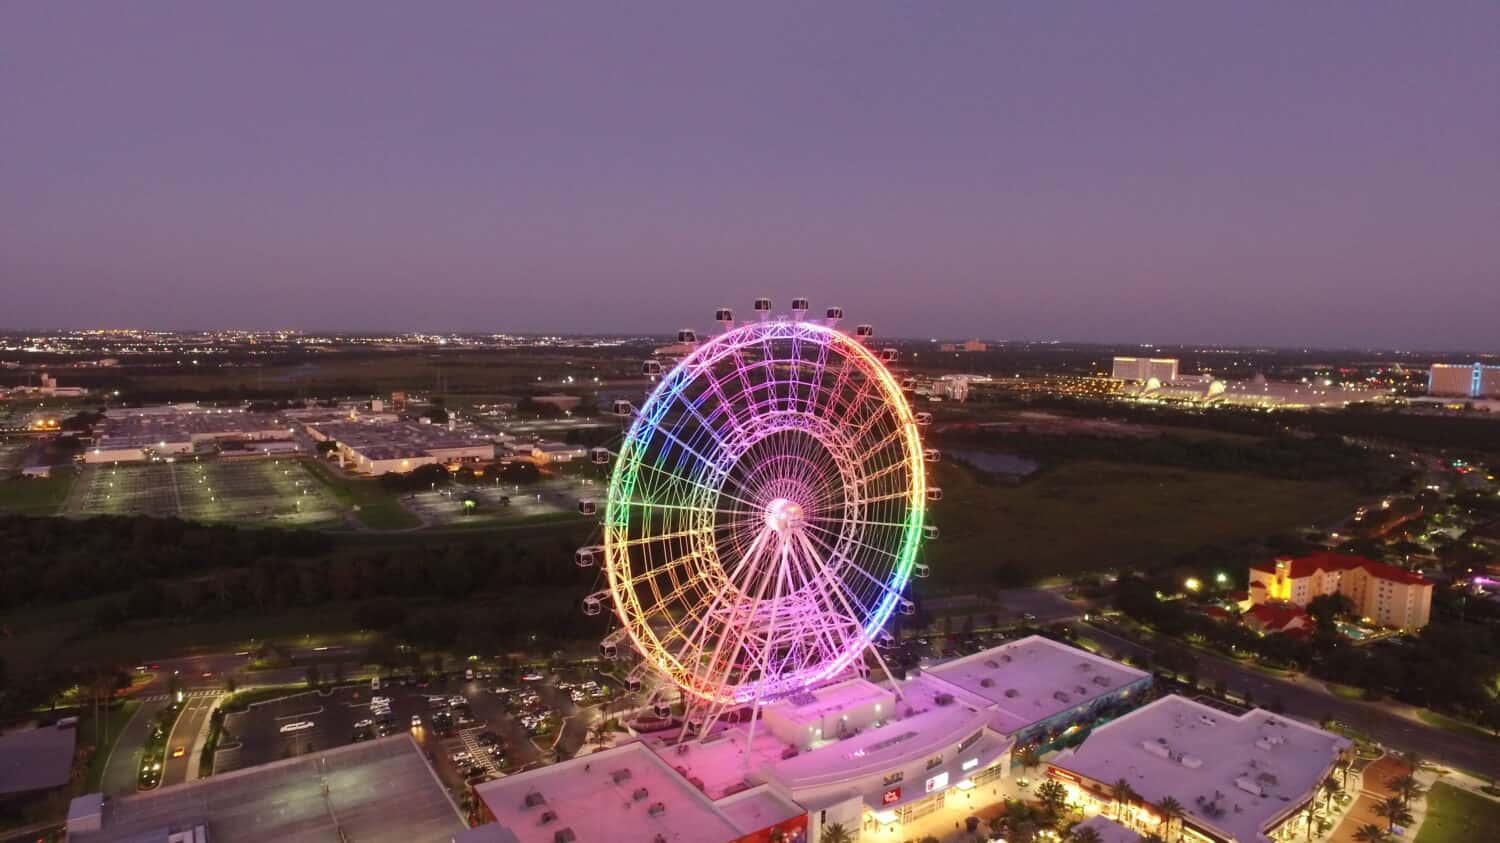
(498, 503)
(470, 728)
(271, 490)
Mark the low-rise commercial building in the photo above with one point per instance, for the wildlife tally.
(380, 791)
(1247, 778)
(376, 448)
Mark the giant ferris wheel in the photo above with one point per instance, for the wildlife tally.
(765, 511)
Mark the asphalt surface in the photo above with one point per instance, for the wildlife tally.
(195, 713)
(122, 771)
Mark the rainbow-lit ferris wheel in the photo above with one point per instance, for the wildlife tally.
(765, 510)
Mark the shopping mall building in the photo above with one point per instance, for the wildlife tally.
(864, 755)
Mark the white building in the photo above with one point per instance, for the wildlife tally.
(1473, 381)
(1239, 779)
(630, 793)
(1163, 369)
(866, 756)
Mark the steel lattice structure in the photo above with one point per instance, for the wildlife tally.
(764, 512)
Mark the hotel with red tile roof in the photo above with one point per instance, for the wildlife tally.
(1387, 595)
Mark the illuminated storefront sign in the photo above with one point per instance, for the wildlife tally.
(891, 797)
(937, 782)
(971, 764)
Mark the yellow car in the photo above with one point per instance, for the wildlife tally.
(179, 752)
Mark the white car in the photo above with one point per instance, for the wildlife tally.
(299, 726)
(416, 721)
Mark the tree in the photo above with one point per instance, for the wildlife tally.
(1406, 787)
(1029, 759)
(1171, 811)
(1123, 794)
(1084, 834)
(229, 684)
(599, 733)
(1052, 795)
(836, 833)
(1370, 833)
(1395, 814)
(1330, 790)
(312, 676)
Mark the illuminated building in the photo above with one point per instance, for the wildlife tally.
(1385, 594)
(1248, 778)
(1163, 369)
(1472, 381)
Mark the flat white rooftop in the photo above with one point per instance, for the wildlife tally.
(624, 793)
(381, 791)
(874, 750)
(1234, 775)
(1029, 680)
(812, 706)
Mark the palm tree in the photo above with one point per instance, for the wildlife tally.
(1123, 794)
(1406, 787)
(1394, 812)
(836, 833)
(1330, 790)
(1370, 833)
(1029, 759)
(1084, 834)
(1415, 759)
(1171, 811)
(1053, 796)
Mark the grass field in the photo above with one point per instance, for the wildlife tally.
(1457, 816)
(113, 724)
(1089, 515)
(37, 496)
(374, 505)
(267, 492)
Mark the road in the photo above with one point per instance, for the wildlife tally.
(122, 771)
(1307, 699)
(194, 713)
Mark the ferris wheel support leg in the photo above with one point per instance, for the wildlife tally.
(838, 591)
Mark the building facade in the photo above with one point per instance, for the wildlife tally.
(1163, 369)
(1472, 381)
(1386, 595)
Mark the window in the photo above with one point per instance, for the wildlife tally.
(971, 740)
(935, 761)
(893, 778)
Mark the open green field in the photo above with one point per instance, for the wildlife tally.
(1457, 816)
(269, 492)
(37, 495)
(374, 505)
(1089, 515)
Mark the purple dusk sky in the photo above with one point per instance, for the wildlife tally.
(1267, 172)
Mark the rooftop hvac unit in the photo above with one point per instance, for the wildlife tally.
(620, 775)
(564, 835)
(548, 816)
(986, 682)
(943, 699)
(657, 809)
(534, 799)
(639, 794)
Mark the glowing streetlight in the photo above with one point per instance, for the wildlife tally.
(1192, 584)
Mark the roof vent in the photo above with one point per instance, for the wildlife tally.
(657, 809)
(986, 682)
(943, 699)
(620, 775)
(548, 816)
(564, 835)
(1012, 693)
(535, 798)
(639, 794)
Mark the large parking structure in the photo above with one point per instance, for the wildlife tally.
(373, 792)
(276, 491)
